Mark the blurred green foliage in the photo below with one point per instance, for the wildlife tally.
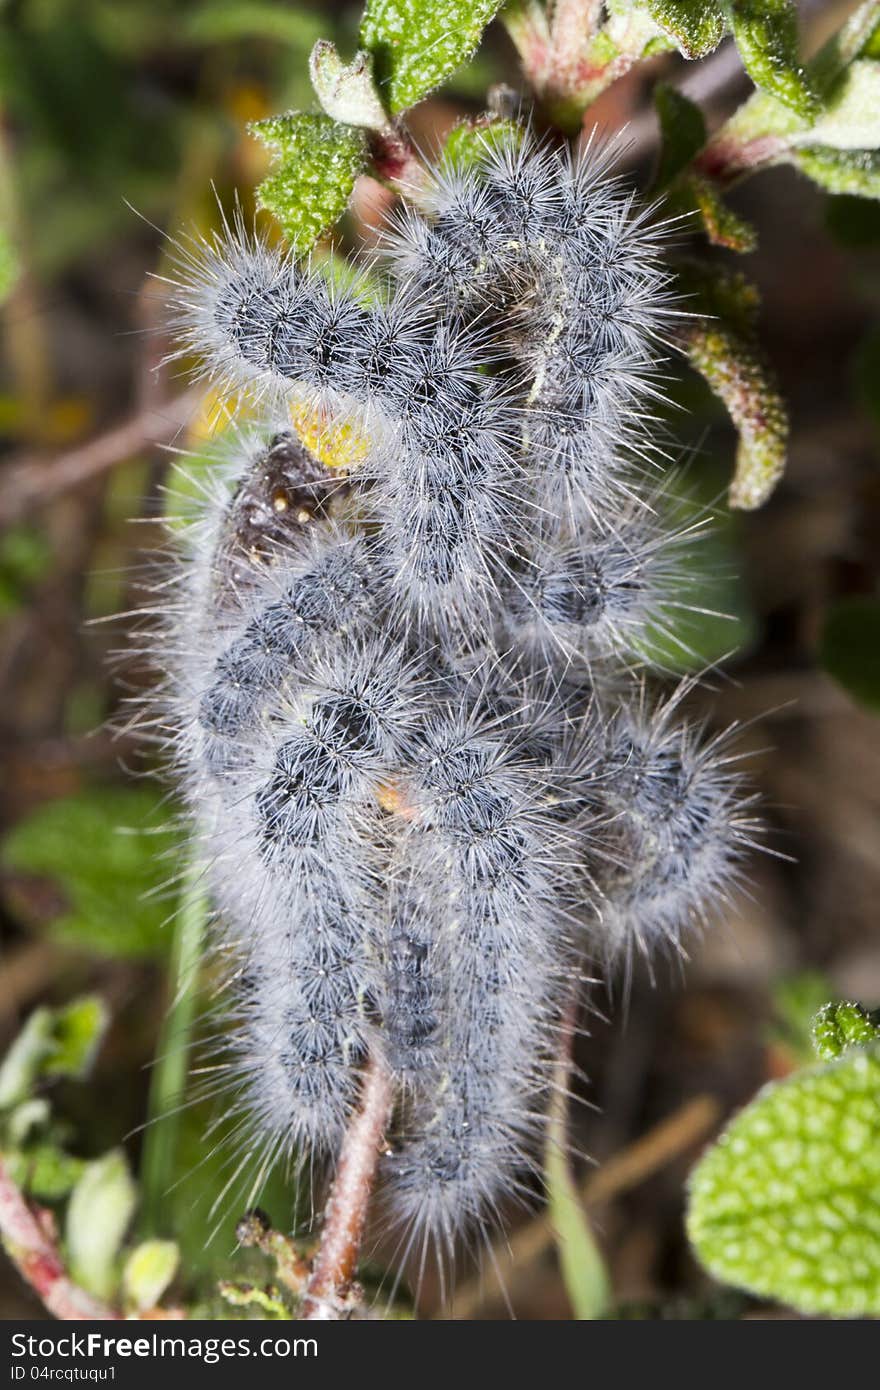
(113, 856)
(25, 557)
(106, 100)
(796, 1001)
(53, 1043)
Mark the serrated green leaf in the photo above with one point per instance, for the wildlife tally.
(721, 342)
(318, 162)
(841, 171)
(98, 1215)
(682, 130)
(53, 1043)
(787, 1203)
(766, 34)
(696, 26)
(148, 1271)
(417, 44)
(849, 648)
(841, 1025)
(109, 851)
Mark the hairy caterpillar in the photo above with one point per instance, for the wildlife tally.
(406, 703)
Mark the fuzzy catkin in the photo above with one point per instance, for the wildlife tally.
(404, 688)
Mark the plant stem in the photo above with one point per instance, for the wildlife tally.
(663, 1144)
(35, 1255)
(335, 1264)
(169, 1075)
(580, 1259)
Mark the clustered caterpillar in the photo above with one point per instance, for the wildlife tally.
(406, 696)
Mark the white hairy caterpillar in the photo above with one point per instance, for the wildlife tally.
(412, 733)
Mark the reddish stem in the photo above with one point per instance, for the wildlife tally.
(336, 1262)
(36, 1257)
(724, 160)
(395, 161)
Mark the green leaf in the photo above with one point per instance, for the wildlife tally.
(787, 1203)
(697, 26)
(98, 1214)
(44, 1171)
(346, 91)
(857, 37)
(109, 851)
(721, 342)
(682, 128)
(849, 648)
(841, 171)
(318, 162)
(148, 1271)
(53, 1043)
(26, 1118)
(851, 120)
(417, 44)
(722, 225)
(840, 1026)
(766, 33)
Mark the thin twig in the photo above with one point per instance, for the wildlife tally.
(665, 1142)
(36, 1257)
(33, 480)
(335, 1264)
